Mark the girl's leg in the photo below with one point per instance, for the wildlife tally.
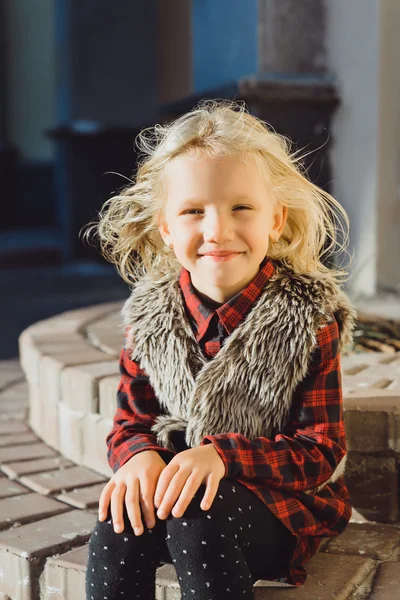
(123, 565)
(219, 553)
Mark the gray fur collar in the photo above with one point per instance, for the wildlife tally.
(248, 386)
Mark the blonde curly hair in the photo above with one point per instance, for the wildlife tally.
(127, 228)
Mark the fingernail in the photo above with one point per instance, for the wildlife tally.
(138, 530)
(150, 524)
(161, 513)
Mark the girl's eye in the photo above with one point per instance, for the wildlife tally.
(196, 210)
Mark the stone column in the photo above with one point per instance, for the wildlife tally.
(292, 90)
(363, 47)
(292, 36)
(388, 196)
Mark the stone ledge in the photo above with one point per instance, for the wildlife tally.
(10, 373)
(332, 576)
(386, 585)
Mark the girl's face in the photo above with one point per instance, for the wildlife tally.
(218, 205)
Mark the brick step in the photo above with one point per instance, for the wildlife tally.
(364, 562)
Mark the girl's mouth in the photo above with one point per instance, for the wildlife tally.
(216, 258)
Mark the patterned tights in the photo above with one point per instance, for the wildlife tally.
(218, 554)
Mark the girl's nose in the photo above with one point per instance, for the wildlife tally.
(217, 228)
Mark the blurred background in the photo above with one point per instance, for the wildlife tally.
(80, 79)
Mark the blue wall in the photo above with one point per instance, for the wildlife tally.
(225, 41)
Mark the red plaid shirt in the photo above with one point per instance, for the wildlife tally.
(277, 470)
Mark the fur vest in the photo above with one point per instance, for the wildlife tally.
(248, 386)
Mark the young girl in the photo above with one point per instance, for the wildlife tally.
(229, 415)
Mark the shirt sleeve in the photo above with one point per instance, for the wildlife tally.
(311, 445)
(137, 408)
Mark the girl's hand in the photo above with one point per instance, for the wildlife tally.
(134, 483)
(183, 476)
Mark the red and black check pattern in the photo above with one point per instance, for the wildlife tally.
(279, 470)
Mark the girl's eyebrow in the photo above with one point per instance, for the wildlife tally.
(241, 197)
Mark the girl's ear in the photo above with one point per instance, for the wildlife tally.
(163, 229)
(280, 217)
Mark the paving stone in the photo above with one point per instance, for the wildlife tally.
(381, 542)
(47, 344)
(80, 385)
(11, 488)
(373, 486)
(108, 396)
(330, 577)
(28, 507)
(15, 415)
(26, 467)
(11, 406)
(351, 364)
(386, 584)
(16, 439)
(50, 369)
(70, 432)
(372, 421)
(395, 385)
(18, 391)
(10, 372)
(95, 430)
(11, 426)
(105, 330)
(23, 549)
(388, 370)
(110, 342)
(25, 451)
(64, 576)
(36, 408)
(68, 322)
(84, 497)
(103, 325)
(57, 481)
(364, 380)
(49, 428)
(107, 333)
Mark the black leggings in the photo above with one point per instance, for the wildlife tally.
(217, 554)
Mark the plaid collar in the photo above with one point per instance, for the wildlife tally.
(230, 313)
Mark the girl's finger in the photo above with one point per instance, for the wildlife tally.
(210, 493)
(117, 505)
(104, 500)
(163, 483)
(133, 507)
(172, 493)
(186, 496)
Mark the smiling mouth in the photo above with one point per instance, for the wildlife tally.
(220, 257)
